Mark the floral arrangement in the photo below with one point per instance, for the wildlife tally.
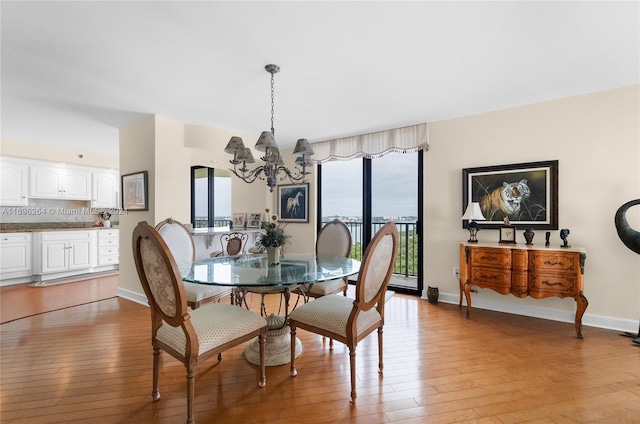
(105, 215)
(274, 235)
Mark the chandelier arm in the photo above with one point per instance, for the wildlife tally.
(298, 177)
(248, 176)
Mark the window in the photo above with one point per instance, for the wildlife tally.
(210, 197)
(366, 193)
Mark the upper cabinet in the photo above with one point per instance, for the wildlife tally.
(105, 190)
(21, 179)
(60, 182)
(14, 183)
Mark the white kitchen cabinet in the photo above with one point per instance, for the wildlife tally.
(108, 247)
(63, 253)
(105, 189)
(60, 182)
(14, 183)
(15, 255)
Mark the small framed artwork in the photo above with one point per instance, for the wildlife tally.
(293, 203)
(238, 220)
(524, 193)
(255, 220)
(507, 234)
(135, 192)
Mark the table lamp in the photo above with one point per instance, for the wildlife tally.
(473, 214)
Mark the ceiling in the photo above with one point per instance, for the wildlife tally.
(73, 73)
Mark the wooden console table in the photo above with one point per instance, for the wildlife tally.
(524, 271)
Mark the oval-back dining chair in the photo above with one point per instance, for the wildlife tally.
(187, 336)
(347, 320)
(232, 244)
(334, 239)
(180, 242)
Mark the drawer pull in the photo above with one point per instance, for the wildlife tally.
(546, 283)
(488, 276)
(554, 263)
(489, 257)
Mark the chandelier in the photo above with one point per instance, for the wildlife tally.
(273, 169)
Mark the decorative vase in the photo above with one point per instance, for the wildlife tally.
(528, 236)
(273, 255)
(107, 223)
(432, 294)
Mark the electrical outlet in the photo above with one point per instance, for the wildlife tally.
(456, 271)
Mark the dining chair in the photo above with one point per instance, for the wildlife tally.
(187, 336)
(180, 243)
(347, 320)
(232, 244)
(333, 239)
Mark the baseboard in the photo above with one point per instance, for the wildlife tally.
(590, 320)
(132, 296)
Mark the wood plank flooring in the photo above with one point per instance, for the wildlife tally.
(22, 300)
(92, 364)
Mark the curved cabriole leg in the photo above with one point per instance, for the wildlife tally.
(293, 352)
(352, 366)
(155, 393)
(467, 295)
(191, 377)
(380, 363)
(582, 304)
(263, 376)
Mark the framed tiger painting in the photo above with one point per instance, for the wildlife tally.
(524, 193)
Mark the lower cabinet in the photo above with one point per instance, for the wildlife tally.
(63, 252)
(108, 247)
(47, 255)
(15, 255)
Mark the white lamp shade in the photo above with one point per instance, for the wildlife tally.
(473, 212)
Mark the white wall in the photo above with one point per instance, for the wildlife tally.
(137, 153)
(596, 138)
(23, 149)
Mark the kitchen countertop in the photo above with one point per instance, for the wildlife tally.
(32, 227)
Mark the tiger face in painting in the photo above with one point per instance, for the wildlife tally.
(505, 200)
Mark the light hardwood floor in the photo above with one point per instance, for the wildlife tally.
(92, 364)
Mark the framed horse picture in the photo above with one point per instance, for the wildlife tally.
(293, 203)
(524, 193)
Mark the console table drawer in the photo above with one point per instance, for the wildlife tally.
(554, 261)
(497, 258)
(491, 277)
(556, 283)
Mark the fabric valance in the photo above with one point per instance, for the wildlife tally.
(403, 140)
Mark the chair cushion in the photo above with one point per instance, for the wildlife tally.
(198, 292)
(331, 313)
(326, 287)
(214, 324)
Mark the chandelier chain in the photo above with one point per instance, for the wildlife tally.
(273, 131)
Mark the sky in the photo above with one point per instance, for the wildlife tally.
(394, 186)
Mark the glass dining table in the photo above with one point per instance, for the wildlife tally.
(252, 274)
